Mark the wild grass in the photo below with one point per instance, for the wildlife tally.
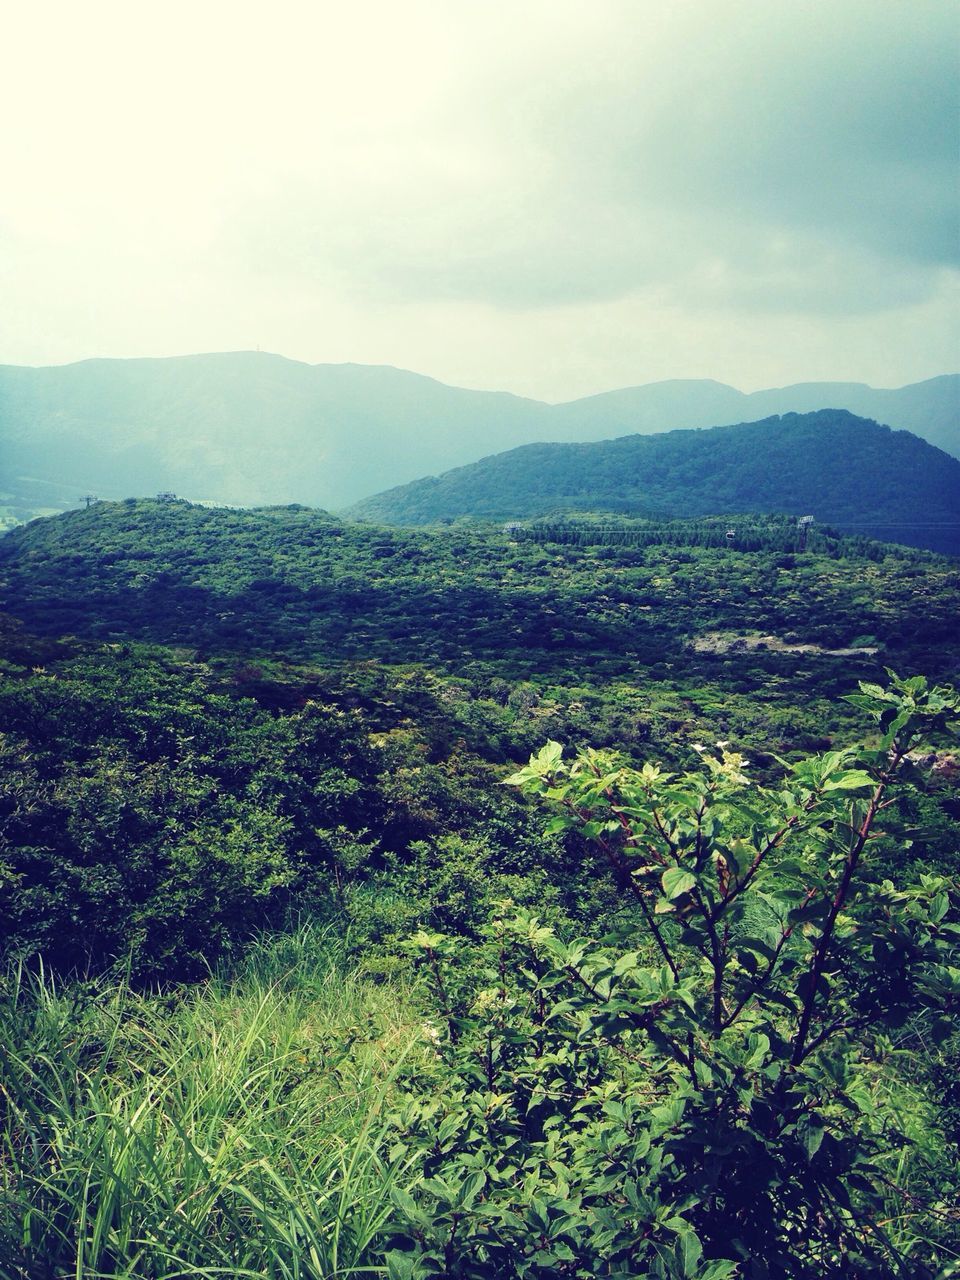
(232, 1129)
(239, 1127)
(921, 1181)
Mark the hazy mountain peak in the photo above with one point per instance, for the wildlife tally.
(249, 427)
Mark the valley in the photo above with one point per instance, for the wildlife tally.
(480, 732)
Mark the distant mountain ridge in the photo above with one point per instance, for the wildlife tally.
(838, 467)
(248, 428)
(929, 409)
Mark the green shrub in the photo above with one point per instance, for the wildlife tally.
(707, 1104)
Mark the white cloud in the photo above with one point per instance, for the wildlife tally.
(547, 196)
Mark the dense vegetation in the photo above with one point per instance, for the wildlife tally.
(294, 582)
(900, 488)
(699, 1026)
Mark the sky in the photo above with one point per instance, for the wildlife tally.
(551, 197)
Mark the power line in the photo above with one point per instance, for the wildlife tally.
(829, 524)
(898, 524)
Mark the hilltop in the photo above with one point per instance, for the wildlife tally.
(929, 409)
(837, 467)
(301, 583)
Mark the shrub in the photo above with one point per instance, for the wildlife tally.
(706, 1104)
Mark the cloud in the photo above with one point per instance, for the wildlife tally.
(399, 182)
(839, 122)
(756, 155)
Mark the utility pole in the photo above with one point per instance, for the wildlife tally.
(803, 526)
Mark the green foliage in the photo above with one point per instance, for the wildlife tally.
(144, 814)
(700, 1027)
(705, 1104)
(475, 601)
(233, 1130)
(168, 803)
(901, 488)
(150, 815)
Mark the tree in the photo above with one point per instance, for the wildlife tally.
(707, 1103)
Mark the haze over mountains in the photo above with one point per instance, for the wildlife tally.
(842, 469)
(250, 428)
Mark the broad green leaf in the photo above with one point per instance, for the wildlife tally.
(689, 1251)
(851, 780)
(810, 1131)
(676, 881)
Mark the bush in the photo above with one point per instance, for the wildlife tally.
(707, 1104)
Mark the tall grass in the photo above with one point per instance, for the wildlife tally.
(234, 1129)
(921, 1180)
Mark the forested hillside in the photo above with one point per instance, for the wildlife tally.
(458, 1028)
(191, 677)
(304, 584)
(850, 472)
(252, 428)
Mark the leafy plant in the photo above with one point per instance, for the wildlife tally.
(702, 1105)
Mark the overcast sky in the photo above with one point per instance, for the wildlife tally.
(552, 197)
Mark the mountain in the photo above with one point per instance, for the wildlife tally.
(249, 428)
(241, 428)
(929, 409)
(835, 466)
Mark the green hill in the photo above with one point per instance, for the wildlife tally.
(300, 583)
(839, 468)
(248, 428)
(929, 409)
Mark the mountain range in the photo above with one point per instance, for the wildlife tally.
(840, 468)
(250, 428)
